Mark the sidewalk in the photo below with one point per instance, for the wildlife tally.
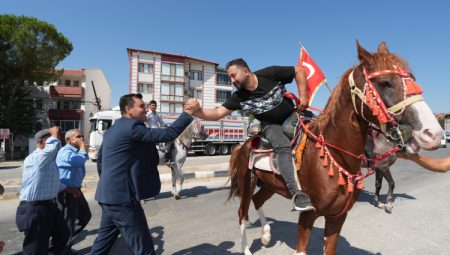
(12, 186)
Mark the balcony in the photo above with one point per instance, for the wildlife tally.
(58, 114)
(66, 92)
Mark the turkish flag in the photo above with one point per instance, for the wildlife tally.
(314, 75)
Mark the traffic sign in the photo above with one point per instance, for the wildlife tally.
(4, 133)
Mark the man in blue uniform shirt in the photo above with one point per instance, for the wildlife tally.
(70, 161)
(128, 174)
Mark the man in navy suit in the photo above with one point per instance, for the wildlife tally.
(128, 174)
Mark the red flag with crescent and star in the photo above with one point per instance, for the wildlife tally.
(314, 75)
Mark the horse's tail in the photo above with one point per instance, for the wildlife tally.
(233, 173)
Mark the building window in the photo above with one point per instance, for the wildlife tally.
(196, 94)
(66, 125)
(172, 72)
(76, 83)
(172, 92)
(167, 107)
(223, 79)
(145, 88)
(196, 75)
(145, 68)
(222, 95)
(75, 105)
(67, 82)
(66, 105)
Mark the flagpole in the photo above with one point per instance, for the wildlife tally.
(329, 89)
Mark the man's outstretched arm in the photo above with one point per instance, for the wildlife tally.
(212, 114)
(440, 165)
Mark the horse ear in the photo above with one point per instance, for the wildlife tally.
(363, 54)
(383, 48)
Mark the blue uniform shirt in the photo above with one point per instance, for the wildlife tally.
(40, 175)
(70, 162)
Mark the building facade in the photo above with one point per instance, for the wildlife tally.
(71, 101)
(170, 79)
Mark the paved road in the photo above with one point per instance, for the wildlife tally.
(13, 170)
(203, 223)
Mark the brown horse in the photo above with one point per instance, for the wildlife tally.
(334, 189)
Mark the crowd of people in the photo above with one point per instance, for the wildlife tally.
(53, 210)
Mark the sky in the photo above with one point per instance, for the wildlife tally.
(264, 33)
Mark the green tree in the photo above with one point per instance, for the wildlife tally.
(30, 49)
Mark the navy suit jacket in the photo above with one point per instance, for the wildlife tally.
(128, 159)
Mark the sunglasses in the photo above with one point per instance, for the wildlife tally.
(79, 136)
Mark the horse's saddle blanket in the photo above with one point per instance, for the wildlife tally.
(264, 161)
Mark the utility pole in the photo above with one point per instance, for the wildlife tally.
(97, 100)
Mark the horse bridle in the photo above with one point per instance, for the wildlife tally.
(370, 96)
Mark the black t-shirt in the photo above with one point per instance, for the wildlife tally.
(267, 102)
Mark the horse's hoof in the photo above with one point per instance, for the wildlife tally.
(177, 196)
(381, 205)
(265, 239)
(388, 208)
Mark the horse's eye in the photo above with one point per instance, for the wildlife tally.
(385, 84)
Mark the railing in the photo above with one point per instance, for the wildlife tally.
(172, 98)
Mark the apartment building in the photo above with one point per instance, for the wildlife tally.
(70, 101)
(170, 79)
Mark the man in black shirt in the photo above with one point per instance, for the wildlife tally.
(262, 94)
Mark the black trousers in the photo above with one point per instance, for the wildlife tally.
(77, 214)
(129, 221)
(39, 221)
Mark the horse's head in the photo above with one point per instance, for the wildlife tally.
(390, 98)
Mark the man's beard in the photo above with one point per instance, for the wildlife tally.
(243, 84)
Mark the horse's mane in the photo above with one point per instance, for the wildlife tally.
(341, 93)
(334, 105)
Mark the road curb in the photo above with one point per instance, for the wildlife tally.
(13, 191)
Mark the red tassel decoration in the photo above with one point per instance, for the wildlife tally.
(318, 145)
(360, 185)
(350, 187)
(331, 170)
(325, 161)
(322, 152)
(341, 180)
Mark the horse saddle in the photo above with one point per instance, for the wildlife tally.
(262, 155)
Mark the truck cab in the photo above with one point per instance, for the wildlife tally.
(100, 123)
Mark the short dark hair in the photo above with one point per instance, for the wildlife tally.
(128, 100)
(237, 62)
(152, 102)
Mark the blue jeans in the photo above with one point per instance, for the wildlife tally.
(282, 148)
(128, 220)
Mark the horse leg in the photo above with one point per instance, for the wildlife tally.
(378, 184)
(258, 199)
(176, 171)
(333, 226)
(305, 224)
(390, 198)
(174, 182)
(246, 197)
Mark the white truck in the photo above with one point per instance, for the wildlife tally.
(100, 122)
(221, 135)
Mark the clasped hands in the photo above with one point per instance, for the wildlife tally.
(191, 106)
